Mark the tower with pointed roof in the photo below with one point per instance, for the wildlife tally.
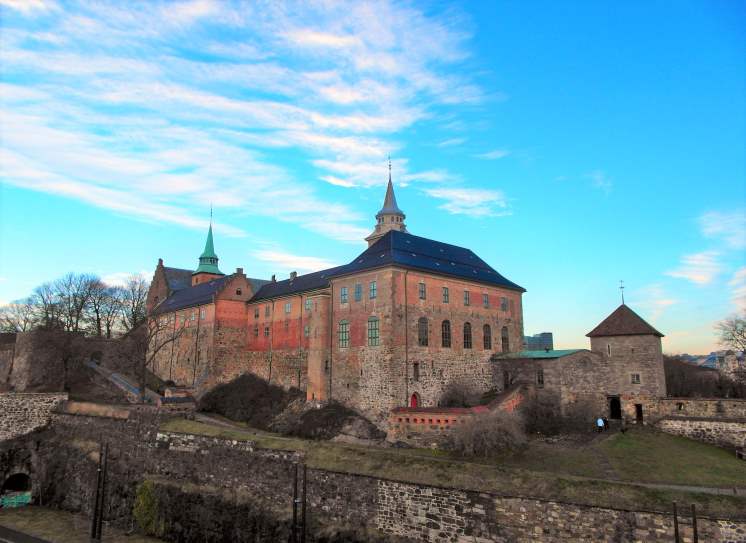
(208, 261)
(390, 217)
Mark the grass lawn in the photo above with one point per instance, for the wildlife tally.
(544, 470)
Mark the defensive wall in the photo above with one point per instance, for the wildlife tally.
(719, 421)
(208, 487)
(21, 413)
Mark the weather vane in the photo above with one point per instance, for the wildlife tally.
(621, 289)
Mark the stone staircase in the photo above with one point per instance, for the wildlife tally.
(124, 383)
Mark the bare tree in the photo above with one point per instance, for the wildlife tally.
(732, 332)
(134, 295)
(18, 316)
(73, 292)
(111, 310)
(47, 305)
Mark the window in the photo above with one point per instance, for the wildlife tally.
(608, 348)
(503, 303)
(373, 332)
(288, 307)
(445, 295)
(680, 406)
(445, 330)
(256, 330)
(372, 290)
(238, 292)
(309, 304)
(358, 292)
(416, 371)
(202, 313)
(266, 311)
(487, 335)
(505, 339)
(486, 300)
(540, 378)
(193, 315)
(467, 335)
(266, 331)
(422, 332)
(287, 325)
(635, 378)
(256, 312)
(343, 295)
(344, 334)
(306, 331)
(422, 291)
(466, 297)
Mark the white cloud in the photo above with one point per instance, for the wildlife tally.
(471, 202)
(700, 268)
(601, 180)
(451, 142)
(337, 181)
(728, 226)
(291, 262)
(119, 279)
(653, 300)
(494, 155)
(738, 289)
(27, 7)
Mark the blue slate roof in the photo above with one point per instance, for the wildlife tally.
(400, 249)
(178, 278)
(192, 296)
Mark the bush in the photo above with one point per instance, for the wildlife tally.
(487, 434)
(145, 510)
(458, 394)
(248, 399)
(328, 421)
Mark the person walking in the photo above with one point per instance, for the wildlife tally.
(606, 423)
(599, 425)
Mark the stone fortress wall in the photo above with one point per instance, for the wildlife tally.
(22, 413)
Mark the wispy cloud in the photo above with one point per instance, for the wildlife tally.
(653, 300)
(119, 279)
(494, 155)
(472, 202)
(700, 268)
(728, 226)
(451, 142)
(738, 289)
(291, 262)
(601, 181)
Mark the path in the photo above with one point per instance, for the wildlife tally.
(12, 536)
(123, 382)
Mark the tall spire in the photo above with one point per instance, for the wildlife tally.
(390, 217)
(208, 260)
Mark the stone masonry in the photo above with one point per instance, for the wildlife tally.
(21, 413)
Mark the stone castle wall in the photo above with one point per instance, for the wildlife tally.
(22, 413)
(724, 433)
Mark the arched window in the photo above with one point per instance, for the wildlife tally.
(467, 335)
(374, 334)
(505, 339)
(446, 333)
(422, 332)
(344, 333)
(414, 400)
(487, 337)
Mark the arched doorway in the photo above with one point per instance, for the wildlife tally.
(615, 408)
(18, 482)
(414, 401)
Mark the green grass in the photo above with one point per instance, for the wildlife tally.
(544, 470)
(656, 457)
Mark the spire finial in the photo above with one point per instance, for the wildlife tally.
(210, 213)
(389, 168)
(621, 289)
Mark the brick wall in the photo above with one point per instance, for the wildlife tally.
(21, 413)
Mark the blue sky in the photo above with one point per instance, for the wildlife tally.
(569, 144)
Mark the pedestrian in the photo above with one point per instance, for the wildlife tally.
(600, 425)
(606, 423)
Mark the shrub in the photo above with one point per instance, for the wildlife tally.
(487, 434)
(457, 394)
(146, 510)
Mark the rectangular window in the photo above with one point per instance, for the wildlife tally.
(503, 303)
(309, 304)
(306, 331)
(344, 334)
(193, 316)
(202, 313)
(266, 311)
(422, 291)
(256, 331)
(445, 295)
(256, 312)
(358, 292)
(466, 297)
(635, 378)
(540, 378)
(343, 295)
(486, 300)
(372, 290)
(266, 331)
(288, 307)
(373, 332)
(416, 371)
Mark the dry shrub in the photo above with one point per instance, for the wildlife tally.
(487, 434)
(458, 394)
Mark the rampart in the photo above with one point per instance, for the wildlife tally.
(21, 413)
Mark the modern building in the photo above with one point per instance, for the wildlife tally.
(539, 342)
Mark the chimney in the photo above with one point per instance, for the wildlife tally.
(293, 275)
(546, 349)
(274, 279)
(160, 262)
(239, 271)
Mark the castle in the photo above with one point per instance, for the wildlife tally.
(392, 328)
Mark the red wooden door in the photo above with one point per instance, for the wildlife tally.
(413, 401)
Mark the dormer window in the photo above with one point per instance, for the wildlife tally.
(238, 292)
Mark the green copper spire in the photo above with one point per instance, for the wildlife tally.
(208, 260)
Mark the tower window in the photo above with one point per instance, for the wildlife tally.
(343, 295)
(358, 292)
(445, 295)
(288, 307)
(266, 311)
(635, 378)
(467, 335)
(487, 335)
(416, 371)
(503, 303)
(309, 304)
(202, 313)
(373, 331)
(422, 291)
(238, 292)
(505, 339)
(372, 290)
(466, 297)
(422, 332)
(256, 312)
(446, 333)
(486, 300)
(266, 331)
(540, 378)
(343, 334)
